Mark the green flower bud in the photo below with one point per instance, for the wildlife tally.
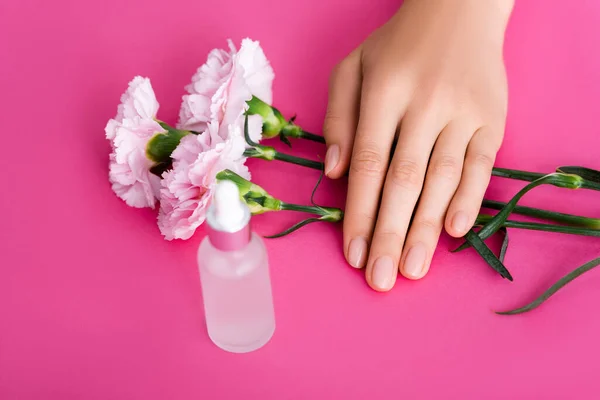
(332, 215)
(264, 152)
(273, 121)
(274, 124)
(570, 181)
(256, 198)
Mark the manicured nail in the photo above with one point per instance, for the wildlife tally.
(383, 271)
(332, 158)
(357, 252)
(415, 261)
(460, 223)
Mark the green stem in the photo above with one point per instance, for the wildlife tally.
(327, 213)
(312, 136)
(516, 174)
(568, 219)
(290, 129)
(556, 179)
(554, 288)
(500, 172)
(532, 176)
(269, 153)
(483, 219)
(298, 161)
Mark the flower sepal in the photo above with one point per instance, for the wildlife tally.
(162, 144)
(256, 198)
(259, 201)
(273, 120)
(275, 124)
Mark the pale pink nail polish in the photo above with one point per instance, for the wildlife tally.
(415, 261)
(357, 252)
(332, 158)
(460, 223)
(383, 272)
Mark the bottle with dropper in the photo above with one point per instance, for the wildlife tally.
(234, 275)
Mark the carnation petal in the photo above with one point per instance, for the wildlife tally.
(139, 100)
(187, 189)
(258, 72)
(129, 133)
(221, 87)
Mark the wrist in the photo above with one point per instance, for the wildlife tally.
(485, 20)
(493, 13)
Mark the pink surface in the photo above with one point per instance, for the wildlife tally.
(94, 304)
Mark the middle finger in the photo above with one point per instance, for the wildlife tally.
(402, 189)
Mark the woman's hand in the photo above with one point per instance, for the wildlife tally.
(416, 114)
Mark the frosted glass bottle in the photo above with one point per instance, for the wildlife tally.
(234, 275)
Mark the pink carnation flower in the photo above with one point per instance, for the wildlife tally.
(129, 132)
(221, 87)
(187, 188)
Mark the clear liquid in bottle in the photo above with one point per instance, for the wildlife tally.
(234, 275)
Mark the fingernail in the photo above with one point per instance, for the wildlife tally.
(332, 158)
(357, 252)
(383, 270)
(460, 223)
(415, 261)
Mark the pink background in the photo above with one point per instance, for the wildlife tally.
(94, 304)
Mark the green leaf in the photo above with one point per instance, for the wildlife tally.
(556, 179)
(462, 247)
(586, 173)
(567, 219)
(504, 247)
(285, 140)
(554, 288)
(487, 254)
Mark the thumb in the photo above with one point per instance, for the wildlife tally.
(341, 118)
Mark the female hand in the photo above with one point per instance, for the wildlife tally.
(416, 114)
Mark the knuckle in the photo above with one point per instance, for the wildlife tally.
(436, 96)
(429, 224)
(331, 118)
(388, 236)
(368, 161)
(381, 85)
(483, 160)
(405, 174)
(445, 167)
(430, 101)
(355, 218)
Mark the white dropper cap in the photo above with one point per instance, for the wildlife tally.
(229, 211)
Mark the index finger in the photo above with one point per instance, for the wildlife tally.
(341, 118)
(378, 120)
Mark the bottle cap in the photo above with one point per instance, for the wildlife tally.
(228, 218)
